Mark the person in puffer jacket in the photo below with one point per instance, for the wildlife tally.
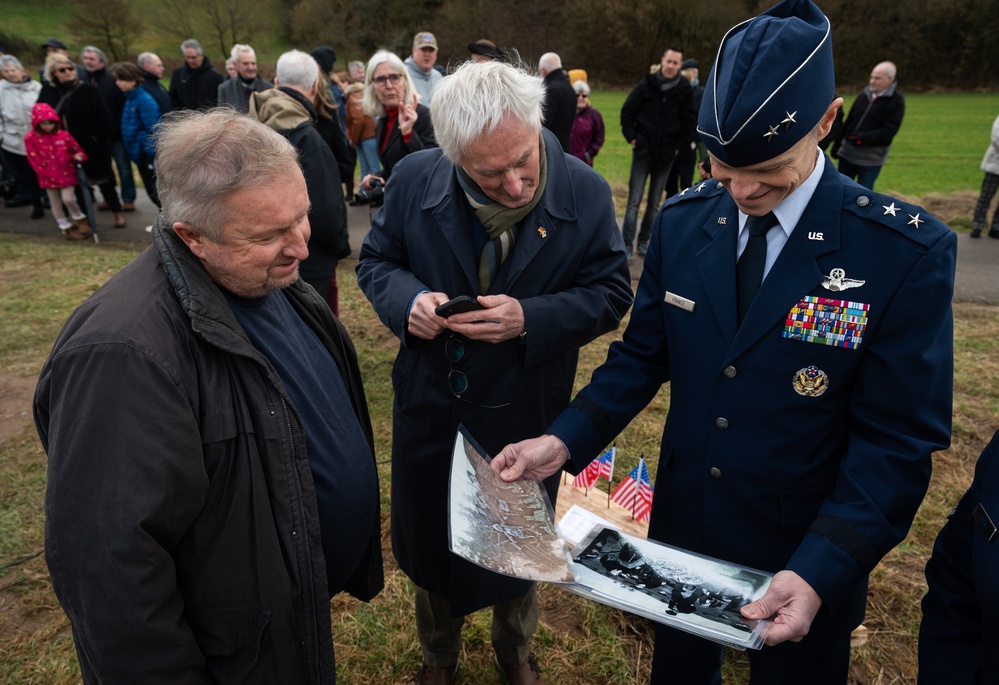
(140, 115)
(53, 154)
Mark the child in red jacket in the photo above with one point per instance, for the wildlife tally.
(53, 153)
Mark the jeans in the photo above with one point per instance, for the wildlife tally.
(367, 155)
(990, 184)
(642, 166)
(864, 175)
(124, 165)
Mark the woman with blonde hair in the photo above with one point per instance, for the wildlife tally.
(403, 123)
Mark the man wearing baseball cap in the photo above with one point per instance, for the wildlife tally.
(421, 65)
(804, 324)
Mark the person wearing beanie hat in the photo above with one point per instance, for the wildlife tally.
(791, 310)
(421, 65)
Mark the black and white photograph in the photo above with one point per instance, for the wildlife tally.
(680, 589)
(504, 527)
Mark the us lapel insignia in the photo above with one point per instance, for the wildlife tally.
(542, 232)
(722, 220)
(837, 280)
(810, 381)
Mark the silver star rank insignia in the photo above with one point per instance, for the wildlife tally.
(700, 187)
(772, 133)
(684, 192)
(915, 221)
(890, 209)
(789, 119)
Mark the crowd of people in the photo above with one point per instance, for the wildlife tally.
(241, 492)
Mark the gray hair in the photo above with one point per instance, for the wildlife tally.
(240, 47)
(297, 68)
(581, 86)
(10, 60)
(97, 51)
(477, 97)
(354, 65)
(191, 43)
(144, 58)
(889, 68)
(550, 62)
(202, 158)
(371, 104)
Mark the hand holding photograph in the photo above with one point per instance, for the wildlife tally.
(508, 528)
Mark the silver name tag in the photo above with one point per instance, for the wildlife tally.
(677, 301)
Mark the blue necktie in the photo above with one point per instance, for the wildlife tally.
(749, 270)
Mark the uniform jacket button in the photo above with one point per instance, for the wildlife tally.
(715, 472)
(729, 372)
(721, 422)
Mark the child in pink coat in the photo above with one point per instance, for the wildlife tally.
(53, 154)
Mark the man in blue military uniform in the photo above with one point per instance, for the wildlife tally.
(804, 324)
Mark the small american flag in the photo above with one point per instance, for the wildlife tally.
(635, 492)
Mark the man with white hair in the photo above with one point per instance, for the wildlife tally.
(874, 119)
(235, 92)
(501, 215)
(208, 435)
(287, 108)
(560, 99)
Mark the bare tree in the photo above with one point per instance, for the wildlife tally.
(110, 24)
(217, 24)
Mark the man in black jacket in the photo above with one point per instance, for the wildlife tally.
(560, 99)
(151, 67)
(208, 435)
(657, 120)
(194, 85)
(288, 109)
(875, 117)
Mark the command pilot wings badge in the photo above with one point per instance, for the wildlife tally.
(837, 280)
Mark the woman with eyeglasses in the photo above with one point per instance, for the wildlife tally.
(83, 114)
(403, 123)
(587, 135)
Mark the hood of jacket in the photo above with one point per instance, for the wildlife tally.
(42, 112)
(278, 110)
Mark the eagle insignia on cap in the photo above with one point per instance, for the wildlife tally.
(789, 119)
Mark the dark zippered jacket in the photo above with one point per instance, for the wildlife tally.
(182, 531)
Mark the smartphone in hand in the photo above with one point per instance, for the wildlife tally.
(462, 303)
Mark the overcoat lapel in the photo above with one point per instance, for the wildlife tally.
(536, 229)
(453, 222)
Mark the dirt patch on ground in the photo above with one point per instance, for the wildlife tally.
(16, 394)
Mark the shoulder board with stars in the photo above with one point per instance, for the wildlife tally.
(701, 189)
(910, 220)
